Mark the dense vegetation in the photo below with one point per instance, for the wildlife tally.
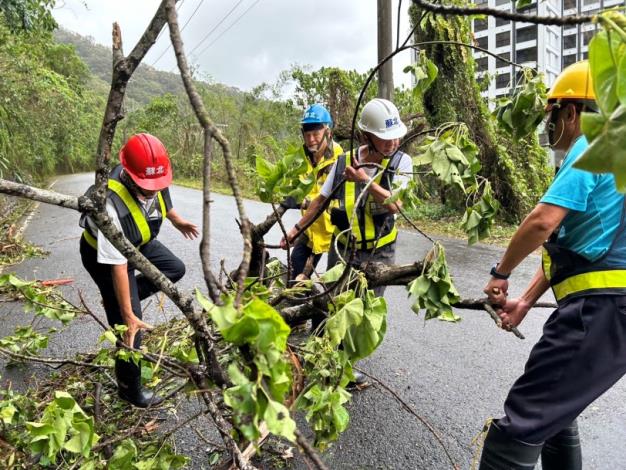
(49, 112)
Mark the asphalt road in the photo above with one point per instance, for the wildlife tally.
(453, 375)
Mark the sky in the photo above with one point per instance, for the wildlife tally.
(258, 40)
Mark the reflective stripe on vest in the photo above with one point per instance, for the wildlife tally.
(572, 275)
(90, 239)
(589, 282)
(546, 264)
(135, 211)
(363, 228)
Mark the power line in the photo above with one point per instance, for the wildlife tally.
(216, 26)
(226, 30)
(181, 29)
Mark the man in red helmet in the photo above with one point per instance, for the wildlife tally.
(138, 201)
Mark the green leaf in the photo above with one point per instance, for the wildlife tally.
(520, 114)
(620, 87)
(109, 336)
(339, 324)
(125, 453)
(604, 56)
(425, 71)
(607, 152)
(522, 3)
(7, 412)
(333, 274)
(433, 290)
(592, 125)
(279, 421)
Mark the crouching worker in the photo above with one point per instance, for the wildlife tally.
(137, 203)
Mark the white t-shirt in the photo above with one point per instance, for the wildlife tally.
(107, 253)
(400, 179)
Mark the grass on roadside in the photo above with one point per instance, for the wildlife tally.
(13, 248)
(439, 220)
(217, 186)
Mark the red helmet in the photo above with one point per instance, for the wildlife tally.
(145, 159)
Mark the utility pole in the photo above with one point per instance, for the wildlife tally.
(385, 73)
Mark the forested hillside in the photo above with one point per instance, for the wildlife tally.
(51, 106)
(55, 86)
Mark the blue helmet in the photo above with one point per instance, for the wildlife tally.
(317, 114)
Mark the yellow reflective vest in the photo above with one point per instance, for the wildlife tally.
(374, 226)
(321, 231)
(135, 225)
(571, 275)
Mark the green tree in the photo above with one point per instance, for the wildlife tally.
(518, 170)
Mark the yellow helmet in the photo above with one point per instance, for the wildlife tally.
(574, 83)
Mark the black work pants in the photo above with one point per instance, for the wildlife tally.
(140, 288)
(300, 254)
(581, 354)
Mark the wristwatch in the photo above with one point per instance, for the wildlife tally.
(494, 272)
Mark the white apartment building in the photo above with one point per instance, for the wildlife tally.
(546, 48)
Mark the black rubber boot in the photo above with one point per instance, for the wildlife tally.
(500, 452)
(562, 451)
(360, 381)
(129, 385)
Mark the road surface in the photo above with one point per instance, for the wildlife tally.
(453, 375)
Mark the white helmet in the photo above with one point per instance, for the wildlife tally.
(381, 118)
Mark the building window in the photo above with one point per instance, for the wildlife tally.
(481, 2)
(569, 59)
(568, 4)
(526, 55)
(585, 55)
(483, 42)
(587, 35)
(589, 2)
(503, 39)
(527, 33)
(501, 22)
(531, 8)
(502, 2)
(569, 42)
(482, 64)
(502, 80)
(506, 56)
(481, 25)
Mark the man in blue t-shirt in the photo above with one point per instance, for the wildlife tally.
(582, 351)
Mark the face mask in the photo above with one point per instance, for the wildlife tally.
(553, 139)
(559, 156)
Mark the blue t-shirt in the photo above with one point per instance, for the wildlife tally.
(594, 203)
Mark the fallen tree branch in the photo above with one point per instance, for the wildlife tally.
(310, 451)
(450, 10)
(82, 204)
